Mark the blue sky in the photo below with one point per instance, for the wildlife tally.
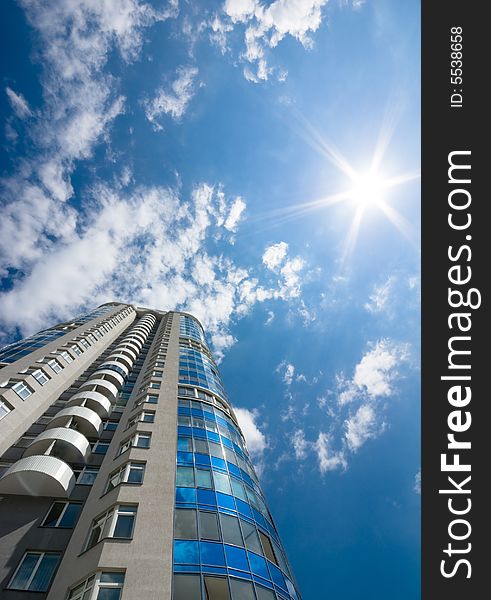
(212, 157)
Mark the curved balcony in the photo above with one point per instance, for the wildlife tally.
(135, 341)
(103, 386)
(131, 345)
(93, 400)
(122, 360)
(69, 445)
(87, 421)
(110, 376)
(38, 476)
(143, 327)
(127, 351)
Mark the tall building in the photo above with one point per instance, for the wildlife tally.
(123, 471)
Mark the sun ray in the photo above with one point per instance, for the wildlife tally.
(399, 222)
(352, 236)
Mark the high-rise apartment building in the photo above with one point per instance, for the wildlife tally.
(123, 471)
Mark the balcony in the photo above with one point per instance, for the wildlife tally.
(38, 476)
(93, 400)
(86, 421)
(111, 376)
(65, 443)
(102, 386)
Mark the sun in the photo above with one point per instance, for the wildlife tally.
(368, 189)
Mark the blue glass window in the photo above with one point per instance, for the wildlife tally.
(276, 576)
(186, 552)
(243, 508)
(225, 501)
(258, 565)
(184, 444)
(186, 495)
(212, 554)
(202, 459)
(219, 463)
(236, 558)
(185, 458)
(206, 497)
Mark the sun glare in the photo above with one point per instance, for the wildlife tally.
(367, 189)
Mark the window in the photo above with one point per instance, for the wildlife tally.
(231, 530)
(216, 588)
(186, 587)
(35, 571)
(76, 350)
(87, 475)
(147, 416)
(131, 472)
(268, 549)
(40, 376)
(100, 447)
(242, 590)
(25, 441)
(106, 585)
(185, 524)
(118, 522)
(66, 356)
(154, 385)
(139, 440)
(110, 425)
(55, 365)
(62, 514)
(208, 526)
(157, 373)
(22, 390)
(83, 342)
(5, 408)
(185, 477)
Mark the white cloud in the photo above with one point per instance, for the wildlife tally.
(255, 438)
(300, 444)
(274, 255)
(237, 208)
(270, 318)
(276, 259)
(240, 10)
(417, 482)
(265, 25)
(81, 102)
(18, 103)
(357, 413)
(328, 459)
(362, 426)
(172, 101)
(380, 298)
(288, 371)
(377, 369)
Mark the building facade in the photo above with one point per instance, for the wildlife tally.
(123, 471)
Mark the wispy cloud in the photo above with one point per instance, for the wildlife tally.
(264, 26)
(276, 259)
(18, 103)
(388, 297)
(417, 482)
(172, 100)
(81, 102)
(356, 410)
